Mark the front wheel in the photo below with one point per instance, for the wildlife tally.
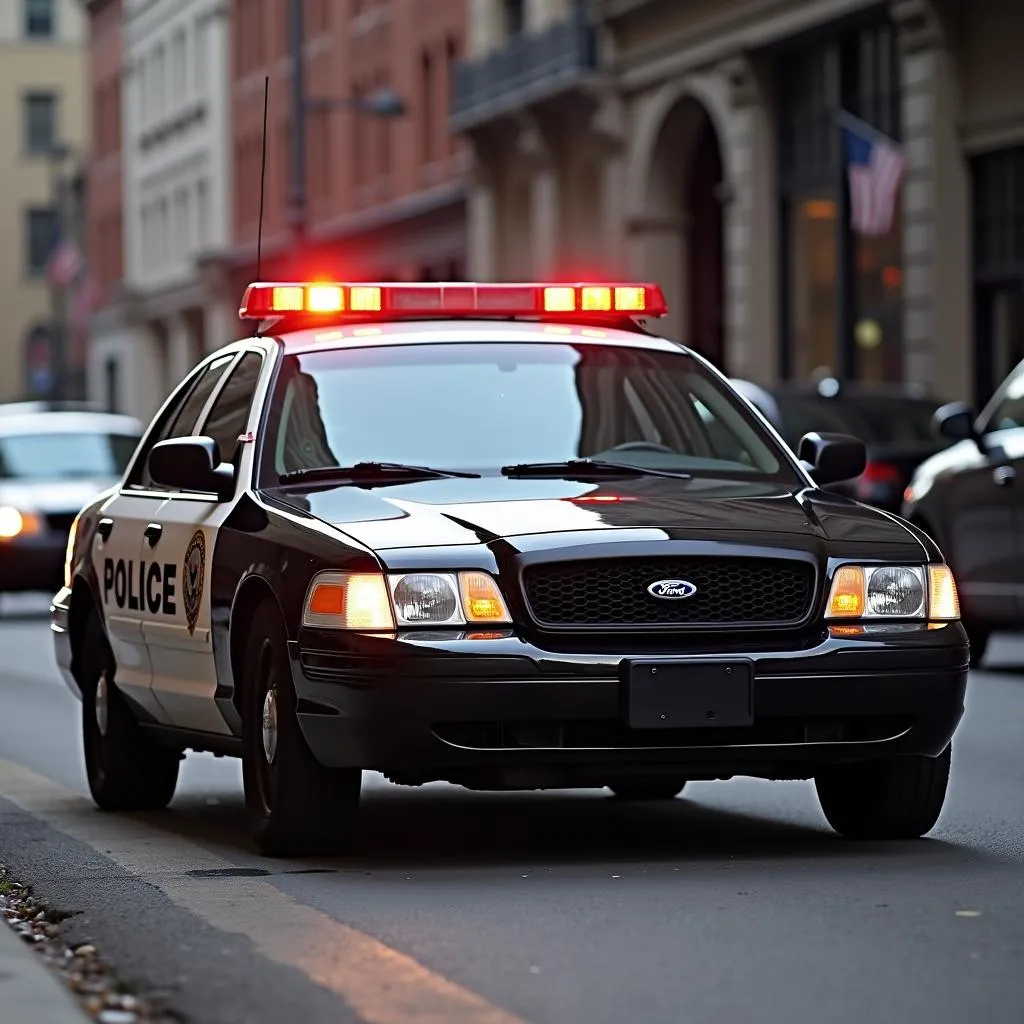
(296, 806)
(126, 770)
(887, 798)
(655, 787)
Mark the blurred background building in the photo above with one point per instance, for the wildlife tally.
(43, 134)
(168, 128)
(700, 144)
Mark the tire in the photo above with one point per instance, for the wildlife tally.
(888, 798)
(296, 806)
(979, 639)
(653, 787)
(126, 770)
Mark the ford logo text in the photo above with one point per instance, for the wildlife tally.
(672, 590)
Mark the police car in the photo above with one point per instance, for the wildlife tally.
(500, 536)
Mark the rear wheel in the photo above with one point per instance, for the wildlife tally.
(296, 806)
(888, 798)
(126, 770)
(653, 787)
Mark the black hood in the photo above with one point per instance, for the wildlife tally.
(452, 512)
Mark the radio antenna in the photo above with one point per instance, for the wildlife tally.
(263, 178)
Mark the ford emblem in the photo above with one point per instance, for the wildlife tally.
(672, 590)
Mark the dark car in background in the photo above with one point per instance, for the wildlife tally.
(970, 500)
(894, 424)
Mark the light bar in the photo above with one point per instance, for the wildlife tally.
(390, 301)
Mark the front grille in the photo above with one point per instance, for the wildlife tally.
(60, 522)
(613, 592)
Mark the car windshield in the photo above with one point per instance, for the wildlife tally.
(65, 455)
(492, 405)
(875, 419)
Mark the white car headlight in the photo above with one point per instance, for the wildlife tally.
(374, 602)
(18, 523)
(893, 592)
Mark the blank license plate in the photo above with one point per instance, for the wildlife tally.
(688, 695)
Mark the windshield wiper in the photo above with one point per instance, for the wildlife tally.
(587, 469)
(372, 473)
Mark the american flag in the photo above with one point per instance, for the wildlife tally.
(876, 166)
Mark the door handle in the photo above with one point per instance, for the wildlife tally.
(1004, 475)
(152, 533)
(103, 528)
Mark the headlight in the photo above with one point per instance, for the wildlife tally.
(373, 602)
(18, 524)
(894, 592)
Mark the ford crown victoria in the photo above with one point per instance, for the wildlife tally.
(505, 537)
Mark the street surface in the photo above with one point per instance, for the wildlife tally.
(736, 904)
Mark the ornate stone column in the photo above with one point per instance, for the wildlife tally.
(937, 274)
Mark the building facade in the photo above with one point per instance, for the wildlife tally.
(175, 168)
(714, 167)
(104, 209)
(367, 196)
(44, 124)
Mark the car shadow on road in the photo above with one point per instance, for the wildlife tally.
(443, 829)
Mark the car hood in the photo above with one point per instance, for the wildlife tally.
(52, 496)
(453, 512)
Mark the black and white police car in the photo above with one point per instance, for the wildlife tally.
(501, 536)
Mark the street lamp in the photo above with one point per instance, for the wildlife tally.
(382, 103)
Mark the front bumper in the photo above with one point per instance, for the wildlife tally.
(32, 563)
(502, 711)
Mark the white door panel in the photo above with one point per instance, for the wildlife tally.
(179, 641)
(117, 564)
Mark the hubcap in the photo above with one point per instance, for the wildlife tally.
(102, 704)
(270, 725)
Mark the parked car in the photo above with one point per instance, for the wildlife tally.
(970, 499)
(51, 464)
(894, 424)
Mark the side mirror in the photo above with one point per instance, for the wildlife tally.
(192, 464)
(955, 421)
(831, 458)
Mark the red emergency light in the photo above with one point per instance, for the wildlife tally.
(339, 300)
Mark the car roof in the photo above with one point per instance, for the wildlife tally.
(69, 423)
(438, 332)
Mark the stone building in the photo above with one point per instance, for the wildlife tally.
(698, 144)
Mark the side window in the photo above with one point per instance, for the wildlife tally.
(179, 419)
(229, 414)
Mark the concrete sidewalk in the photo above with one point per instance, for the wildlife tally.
(29, 992)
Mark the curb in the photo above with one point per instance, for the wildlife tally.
(29, 993)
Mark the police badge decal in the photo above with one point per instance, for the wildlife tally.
(192, 582)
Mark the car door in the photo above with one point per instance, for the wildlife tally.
(984, 509)
(179, 639)
(130, 579)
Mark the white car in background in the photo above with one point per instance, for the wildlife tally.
(52, 463)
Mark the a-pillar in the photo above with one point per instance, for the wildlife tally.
(935, 207)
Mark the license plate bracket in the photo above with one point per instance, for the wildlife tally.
(689, 694)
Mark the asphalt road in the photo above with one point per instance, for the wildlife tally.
(734, 904)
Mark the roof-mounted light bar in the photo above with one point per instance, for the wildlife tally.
(334, 300)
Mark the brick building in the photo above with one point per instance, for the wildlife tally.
(104, 210)
(698, 144)
(385, 196)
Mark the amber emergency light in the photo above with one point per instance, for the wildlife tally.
(338, 300)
